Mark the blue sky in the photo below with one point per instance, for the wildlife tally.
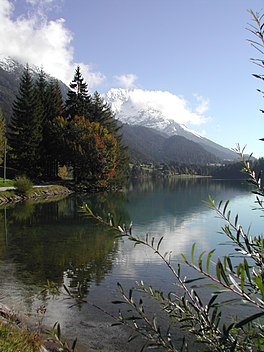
(195, 49)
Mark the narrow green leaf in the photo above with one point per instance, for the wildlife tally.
(235, 283)
(249, 319)
(184, 258)
(225, 206)
(236, 220)
(116, 324)
(58, 331)
(210, 303)
(192, 280)
(179, 270)
(152, 241)
(259, 283)
(67, 290)
(130, 295)
(230, 264)
(120, 288)
(132, 337)
(208, 261)
(74, 344)
(192, 253)
(158, 245)
(218, 270)
(154, 322)
(223, 274)
(200, 262)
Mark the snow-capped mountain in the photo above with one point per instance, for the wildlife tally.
(10, 74)
(134, 112)
(127, 111)
(148, 124)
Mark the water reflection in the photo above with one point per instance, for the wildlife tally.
(54, 241)
(178, 197)
(47, 240)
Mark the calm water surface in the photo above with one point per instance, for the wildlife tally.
(54, 241)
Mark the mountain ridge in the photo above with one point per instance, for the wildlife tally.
(157, 140)
(146, 116)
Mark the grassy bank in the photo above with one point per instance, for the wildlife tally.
(14, 339)
(35, 192)
(6, 182)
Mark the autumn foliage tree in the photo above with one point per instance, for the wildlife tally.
(80, 133)
(89, 148)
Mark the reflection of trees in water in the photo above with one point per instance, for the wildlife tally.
(172, 183)
(45, 241)
(150, 200)
(109, 203)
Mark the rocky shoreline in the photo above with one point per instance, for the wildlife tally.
(10, 195)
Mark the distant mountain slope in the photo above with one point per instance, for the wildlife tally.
(146, 116)
(9, 84)
(149, 135)
(146, 144)
(10, 74)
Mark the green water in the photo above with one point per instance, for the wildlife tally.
(55, 241)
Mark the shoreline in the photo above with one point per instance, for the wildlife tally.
(8, 194)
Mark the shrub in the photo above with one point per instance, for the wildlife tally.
(23, 185)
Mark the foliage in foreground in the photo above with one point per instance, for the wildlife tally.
(13, 338)
(235, 279)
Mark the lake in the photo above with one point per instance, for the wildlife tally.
(55, 241)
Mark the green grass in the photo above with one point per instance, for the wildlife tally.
(16, 339)
(7, 183)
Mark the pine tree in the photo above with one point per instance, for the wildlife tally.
(78, 100)
(54, 107)
(25, 134)
(2, 136)
(55, 103)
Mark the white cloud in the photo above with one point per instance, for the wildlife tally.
(40, 2)
(203, 104)
(126, 81)
(172, 106)
(35, 40)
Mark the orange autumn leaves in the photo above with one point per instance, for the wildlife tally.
(91, 148)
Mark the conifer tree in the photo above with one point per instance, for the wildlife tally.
(55, 103)
(2, 136)
(54, 107)
(78, 100)
(25, 134)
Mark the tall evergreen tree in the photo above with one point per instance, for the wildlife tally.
(25, 134)
(2, 136)
(78, 99)
(55, 103)
(53, 107)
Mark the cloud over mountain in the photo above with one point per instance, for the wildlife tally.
(126, 81)
(170, 106)
(35, 40)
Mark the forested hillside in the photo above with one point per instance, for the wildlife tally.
(80, 134)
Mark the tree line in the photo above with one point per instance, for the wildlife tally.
(80, 133)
